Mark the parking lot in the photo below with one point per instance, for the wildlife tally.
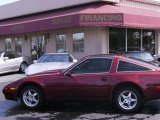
(10, 110)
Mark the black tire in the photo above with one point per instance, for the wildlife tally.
(22, 67)
(38, 97)
(129, 104)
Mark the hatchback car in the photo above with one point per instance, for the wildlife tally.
(51, 61)
(125, 82)
(143, 55)
(9, 62)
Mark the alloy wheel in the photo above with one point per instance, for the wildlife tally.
(127, 100)
(31, 98)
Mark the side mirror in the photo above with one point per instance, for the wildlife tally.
(35, 61)
(68, 73)
(6, 58)
(74, 60)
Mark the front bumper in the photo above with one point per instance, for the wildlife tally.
(10, 94)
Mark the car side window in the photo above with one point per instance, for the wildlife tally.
(10, 55)
(97, 65)
(126, 66)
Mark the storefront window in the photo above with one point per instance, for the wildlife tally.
(61, 43)
(78, 42)
(117, 41)
(149, 41)
(18, 46)
(122, 39)
(8, 44)
(133, 40)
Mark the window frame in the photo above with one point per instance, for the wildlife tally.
(7, 45)
(17, 40)
(69, 70)
(131, 71)
(64, 42)
(73, 41)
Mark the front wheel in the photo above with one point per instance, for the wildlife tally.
(31, 97)
(128, 99)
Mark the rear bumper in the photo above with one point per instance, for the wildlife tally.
(152, 92)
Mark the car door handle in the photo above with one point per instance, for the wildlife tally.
(104, 78)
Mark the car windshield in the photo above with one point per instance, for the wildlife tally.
(142, 56)
(54, 58)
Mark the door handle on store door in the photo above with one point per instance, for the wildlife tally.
(104, 79)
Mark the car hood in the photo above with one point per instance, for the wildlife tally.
(46, 73)
(41, 67)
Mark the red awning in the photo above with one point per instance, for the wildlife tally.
(132, 17)
(91, 15)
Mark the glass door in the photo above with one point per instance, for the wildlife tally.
(37, 50)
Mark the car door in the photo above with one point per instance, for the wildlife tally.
(10, 63)
(88, 80)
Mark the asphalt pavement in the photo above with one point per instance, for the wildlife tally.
(10, 110)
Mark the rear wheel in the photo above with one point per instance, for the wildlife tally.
(23, 67)
(31, 97)
(128, 99)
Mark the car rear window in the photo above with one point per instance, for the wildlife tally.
(127, 66)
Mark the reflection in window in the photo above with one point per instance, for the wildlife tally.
(149, 41)
(18, 46)
(8, 44)
(78, 42)
(61, 43)
(117, 40)
(133, 40)
(137, 40)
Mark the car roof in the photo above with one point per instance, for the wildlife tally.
(102, 55)
(125, 58)
(56, 54)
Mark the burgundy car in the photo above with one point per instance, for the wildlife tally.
(125, 82)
